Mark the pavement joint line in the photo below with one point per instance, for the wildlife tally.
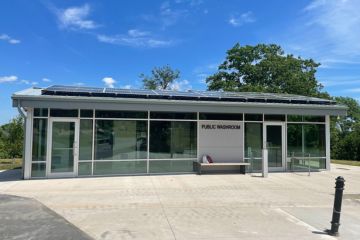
(300, 222)
(162, 208)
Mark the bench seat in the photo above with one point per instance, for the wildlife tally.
(241, 164)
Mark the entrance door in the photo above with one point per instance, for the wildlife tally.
(63, 154)
(274, 140)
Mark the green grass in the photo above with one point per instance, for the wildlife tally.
(346, 162)
(6, 164)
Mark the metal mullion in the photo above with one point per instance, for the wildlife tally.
(93, 144)
(148, 144)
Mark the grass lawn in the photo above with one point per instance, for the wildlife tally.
(346, 162)
(6, 164)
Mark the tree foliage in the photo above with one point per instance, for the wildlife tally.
(265, 68)
(345, 131)
(11, 138)
(161, 78)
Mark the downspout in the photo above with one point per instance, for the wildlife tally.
(24, 116)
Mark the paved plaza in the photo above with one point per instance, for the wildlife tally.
(209, 206)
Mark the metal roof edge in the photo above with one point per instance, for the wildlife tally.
(19, 96)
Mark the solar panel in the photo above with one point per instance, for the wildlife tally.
(182, 95)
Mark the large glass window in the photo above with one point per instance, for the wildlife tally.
(120, 114)
(172, 115)
(221, 116)
(64, 113)
(306, 142)
(300, 118)
(119, 140)
(86, 136)
(119, 167)
(40, 112)
(171, 139)
(253, 144)
(253, 139)
(39, 139)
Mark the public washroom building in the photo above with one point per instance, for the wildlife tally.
(86, 131)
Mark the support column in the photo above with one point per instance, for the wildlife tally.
(327, 141)
(28, 143)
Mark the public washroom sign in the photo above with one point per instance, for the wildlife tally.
(221, 126)
(222, 140)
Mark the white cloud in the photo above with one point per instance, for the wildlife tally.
(135, 38)
(12, 78)
(9, 39)
(328, 31)
(137, 33)
(169, 16)
(75, 18)
(353, 90)
(338, 23)
(126, 86)
(27, 82)
(180, 85)
(46, 80)
(109, 82)
(238, 20)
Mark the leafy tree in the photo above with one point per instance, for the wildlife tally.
(266, 68)
(345, 131)
(161, 78)
(11, 138)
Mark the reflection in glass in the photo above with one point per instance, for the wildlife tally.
(85, 141)
(118, 140)
(39, 139)
(120, 167)
(163, 166)
(63, 136)
(305, 139)
(38, 169)
(173, 140)
(274, 145)
(253, 139)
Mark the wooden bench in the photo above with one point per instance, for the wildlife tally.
(242, 165)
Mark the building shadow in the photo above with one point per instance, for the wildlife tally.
(11, 175)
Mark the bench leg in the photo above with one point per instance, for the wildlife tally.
(242, 169)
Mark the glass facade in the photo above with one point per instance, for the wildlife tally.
(39, 140)
(139, 142)
(253, 144)
(306, 142)
(120, 140)
(62, 149)
(85, 139)
(171, 139)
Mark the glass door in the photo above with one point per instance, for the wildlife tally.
(63, 154)
(274, 138)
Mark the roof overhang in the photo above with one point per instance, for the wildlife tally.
(32, 98)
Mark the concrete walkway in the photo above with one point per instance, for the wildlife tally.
(223, 206)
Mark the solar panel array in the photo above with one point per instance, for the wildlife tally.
(182, 95)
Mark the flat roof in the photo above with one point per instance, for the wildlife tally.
(58, 96)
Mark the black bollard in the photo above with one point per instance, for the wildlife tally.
(335, 222)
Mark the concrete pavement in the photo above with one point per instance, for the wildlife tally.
(221, 206)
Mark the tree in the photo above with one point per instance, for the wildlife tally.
(161, 78)
(11, 138)
(345, 131)
(265, 68)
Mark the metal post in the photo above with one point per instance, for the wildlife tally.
(309, 165)
(335, 222)
(250, 156)
(265, 169)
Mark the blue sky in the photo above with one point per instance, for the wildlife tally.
(110, 43)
